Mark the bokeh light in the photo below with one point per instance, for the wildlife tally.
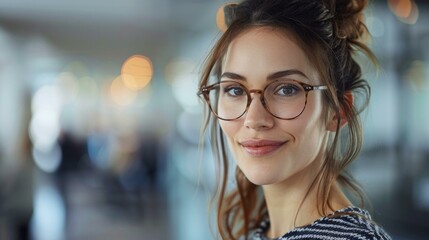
(49, 217)
(44, 130)
(44, 125)
(49, 161)
(121, 94)
(220, 18)
(47, 98)
(401, 8)
(405, 10)
(137, 72)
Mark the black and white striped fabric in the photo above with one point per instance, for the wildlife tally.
(350, 223)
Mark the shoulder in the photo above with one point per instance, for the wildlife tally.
(347, 223)
(350, 223)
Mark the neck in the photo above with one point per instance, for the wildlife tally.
(293, 204)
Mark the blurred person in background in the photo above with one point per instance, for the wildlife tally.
(284, 98)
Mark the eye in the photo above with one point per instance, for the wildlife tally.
(234, 91)
(287, 89)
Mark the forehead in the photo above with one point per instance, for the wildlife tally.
(260, 51)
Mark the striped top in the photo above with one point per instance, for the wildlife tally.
(336, 226)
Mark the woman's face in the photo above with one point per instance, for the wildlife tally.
(269, 150)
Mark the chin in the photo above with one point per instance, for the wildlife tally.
(260, 178)
(261, 181)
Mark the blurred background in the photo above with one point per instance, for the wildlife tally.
(99, 119)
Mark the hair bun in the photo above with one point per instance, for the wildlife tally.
(229, 11)
(348, 18)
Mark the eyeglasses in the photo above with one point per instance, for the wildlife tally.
(283, 99)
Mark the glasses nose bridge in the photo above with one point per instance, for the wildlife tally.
(260, 92)
(255, 91)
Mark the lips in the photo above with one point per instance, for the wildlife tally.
(258, 148)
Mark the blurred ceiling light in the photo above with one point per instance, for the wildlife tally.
(49, 214)
(47, 98)
(137, 71)
(406, 10)
(177, 67)
(120, 94)
(48, 161)
(220, 18)
(44, 130)
(401, 8)
(414, 16)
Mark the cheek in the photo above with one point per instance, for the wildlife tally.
(229, 129)
(313, 116)
(309, 129)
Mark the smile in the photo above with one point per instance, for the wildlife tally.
(259, 148)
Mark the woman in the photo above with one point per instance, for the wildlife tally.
(283, 92)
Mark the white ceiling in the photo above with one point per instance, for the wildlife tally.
(146, 12)
(94, 26)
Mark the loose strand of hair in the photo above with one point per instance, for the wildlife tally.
(225, 168)
(243, 203)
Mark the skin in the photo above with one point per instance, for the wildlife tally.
(289, 164)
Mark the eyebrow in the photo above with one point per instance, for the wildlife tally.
(272, 76)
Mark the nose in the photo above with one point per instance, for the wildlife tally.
(257, 117)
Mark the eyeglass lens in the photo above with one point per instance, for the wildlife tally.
(283, 98)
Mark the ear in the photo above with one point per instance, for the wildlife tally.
(333, 121)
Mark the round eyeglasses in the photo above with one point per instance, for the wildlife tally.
(283, 99)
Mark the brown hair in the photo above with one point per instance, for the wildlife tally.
(329, 32)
